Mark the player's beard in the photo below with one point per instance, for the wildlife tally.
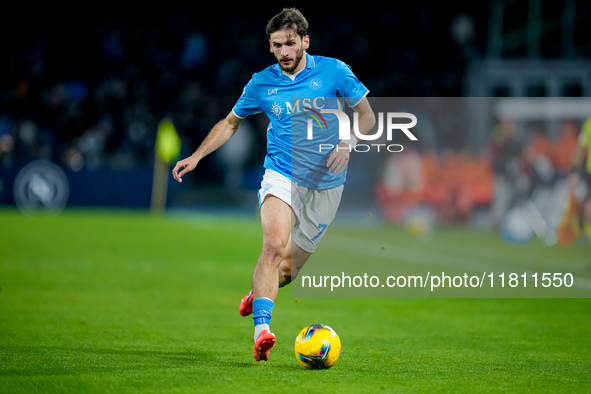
(295, 63)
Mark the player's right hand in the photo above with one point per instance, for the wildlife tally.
(339, 159)
(182, 167)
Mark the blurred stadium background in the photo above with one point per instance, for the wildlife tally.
(87, 87)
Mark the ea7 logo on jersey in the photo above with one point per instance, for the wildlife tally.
(271, 91)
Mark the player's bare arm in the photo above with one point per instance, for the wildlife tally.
(339, 157)
(217, 137)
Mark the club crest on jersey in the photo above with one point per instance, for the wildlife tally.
(315, 84)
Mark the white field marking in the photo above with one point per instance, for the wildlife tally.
(390, 251)
(423, 257)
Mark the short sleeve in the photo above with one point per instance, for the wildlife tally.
(248, 102)
(348, 86)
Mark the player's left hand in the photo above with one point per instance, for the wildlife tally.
(338, 159)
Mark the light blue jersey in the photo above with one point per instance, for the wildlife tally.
(287, 102)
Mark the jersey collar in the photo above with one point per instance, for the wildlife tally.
(310, 63)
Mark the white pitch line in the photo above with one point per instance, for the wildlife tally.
(423, 257)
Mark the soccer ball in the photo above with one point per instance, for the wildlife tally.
(317, 347)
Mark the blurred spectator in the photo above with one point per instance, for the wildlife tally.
(234, 155)
(401, 185)
(506, 149)
(564, 147)
(454, 184)
(538, 154)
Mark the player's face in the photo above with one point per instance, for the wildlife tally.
(289, 48)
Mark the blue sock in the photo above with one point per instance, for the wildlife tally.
(262, 308)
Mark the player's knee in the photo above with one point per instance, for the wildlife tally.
(274, 248)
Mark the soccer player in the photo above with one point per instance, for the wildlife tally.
(298, 199)
(581, 171)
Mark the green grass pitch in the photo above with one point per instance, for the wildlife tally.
(112, 301)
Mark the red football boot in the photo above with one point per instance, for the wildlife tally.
(245, 308)
(263, 345)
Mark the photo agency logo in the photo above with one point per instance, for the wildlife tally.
(322, 120)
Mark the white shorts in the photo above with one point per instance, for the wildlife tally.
(314, 209)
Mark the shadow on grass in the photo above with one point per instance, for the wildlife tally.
(47, 360)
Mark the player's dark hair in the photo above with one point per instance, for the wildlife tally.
(288, 19)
